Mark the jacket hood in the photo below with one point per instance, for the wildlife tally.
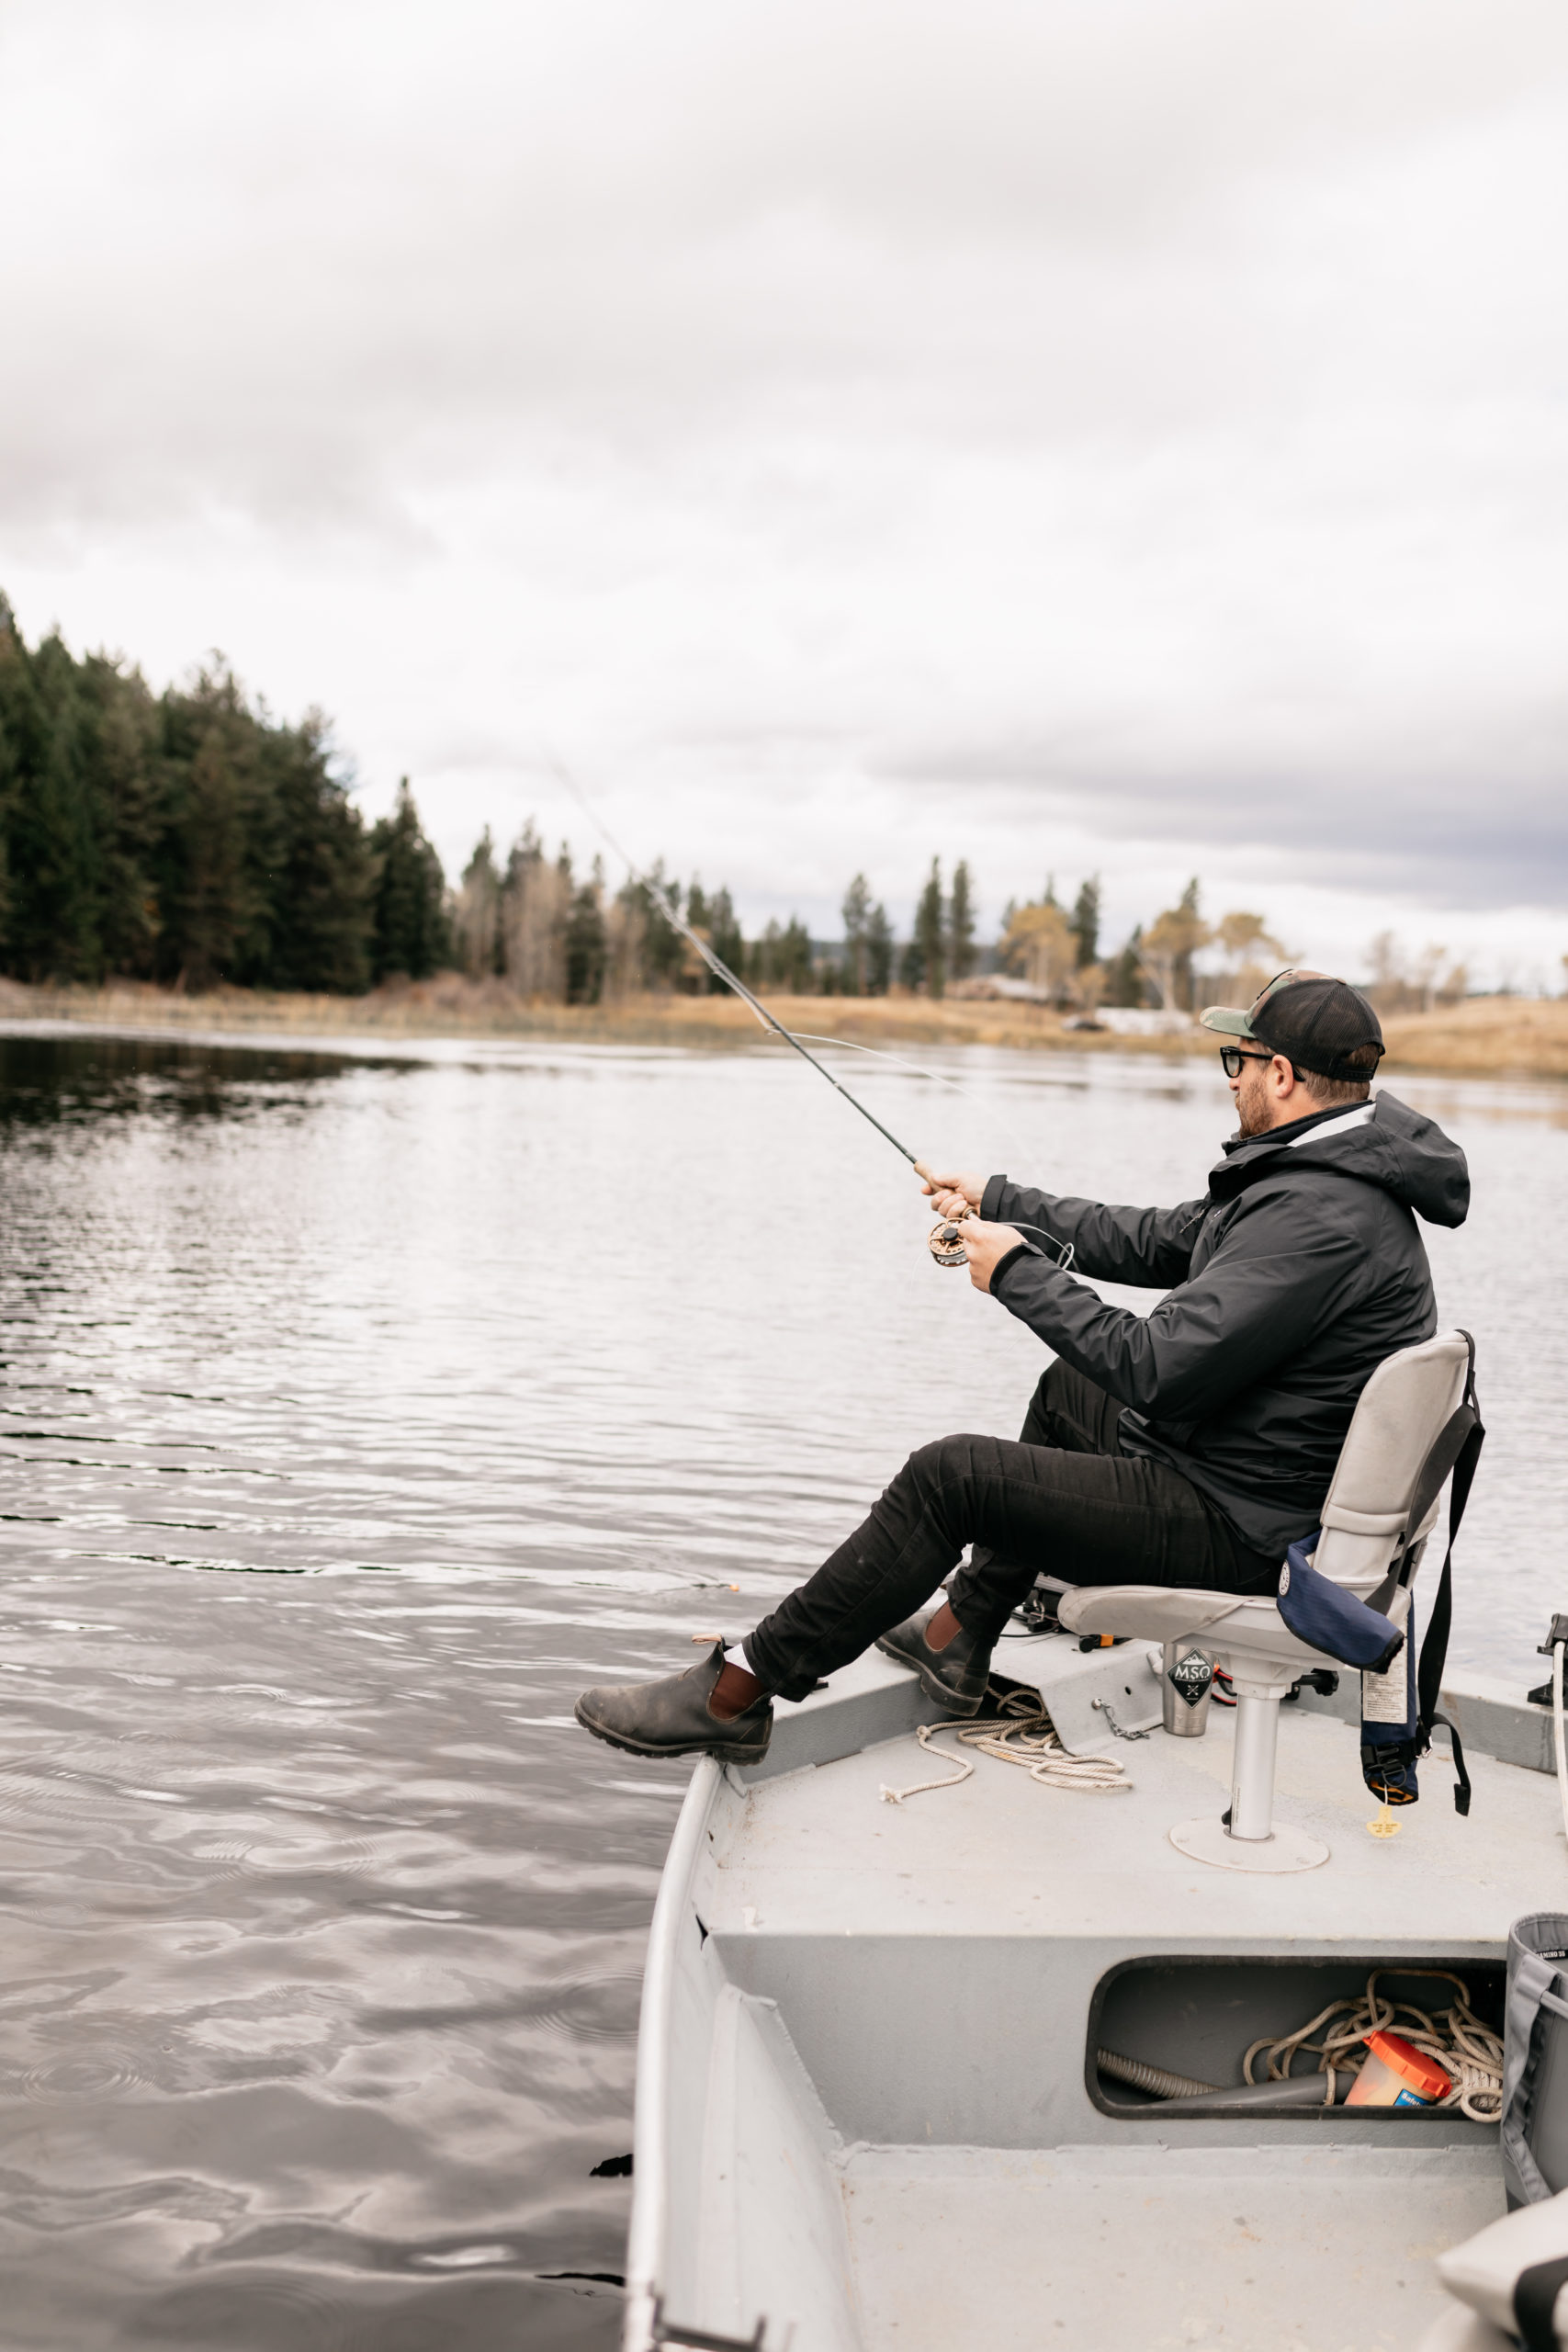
(1381, 1142)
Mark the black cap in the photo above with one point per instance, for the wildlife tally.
(1315, 1022)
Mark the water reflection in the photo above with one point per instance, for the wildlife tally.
(323, 1924)
(49, 1083)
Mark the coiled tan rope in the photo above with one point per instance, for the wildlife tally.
(1468, 2052)
(1020, 1732)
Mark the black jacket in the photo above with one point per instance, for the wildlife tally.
(1288, 1284)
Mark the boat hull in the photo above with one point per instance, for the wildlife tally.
(868, 2109)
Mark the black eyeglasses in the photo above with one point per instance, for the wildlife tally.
(1232, 1059)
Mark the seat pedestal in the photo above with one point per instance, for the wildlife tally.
(1254, 1840)
(1285, 1849)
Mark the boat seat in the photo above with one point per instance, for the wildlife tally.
(1400, 1413)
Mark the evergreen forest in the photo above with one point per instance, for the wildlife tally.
(190, 839)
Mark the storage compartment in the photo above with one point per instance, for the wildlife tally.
(1197, 2018)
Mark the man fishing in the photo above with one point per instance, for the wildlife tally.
(1188, 1447)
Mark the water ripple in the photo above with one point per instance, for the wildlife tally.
(323, 1923)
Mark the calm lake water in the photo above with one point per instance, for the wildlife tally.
(357, 1412)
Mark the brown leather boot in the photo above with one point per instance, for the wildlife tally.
(956, 1674)
(673, 1717)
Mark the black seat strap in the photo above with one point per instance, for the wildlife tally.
(1461, 1774)
(1458, 1448)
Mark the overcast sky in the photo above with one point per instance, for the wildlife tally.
(1127, 435)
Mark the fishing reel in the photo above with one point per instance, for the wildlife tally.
(945, 1244)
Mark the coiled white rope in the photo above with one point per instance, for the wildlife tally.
(1020, 1732)
(1470, 2053)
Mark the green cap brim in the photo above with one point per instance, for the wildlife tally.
(1228, 1021)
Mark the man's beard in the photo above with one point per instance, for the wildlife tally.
(1251, 1117)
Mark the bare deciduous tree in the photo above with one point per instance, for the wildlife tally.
(1426, 971)
(1169, 942)
(535, 906)
(479, 912)
(1385, 961)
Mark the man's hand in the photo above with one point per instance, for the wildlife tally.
(951, 1193)
(986, 1246)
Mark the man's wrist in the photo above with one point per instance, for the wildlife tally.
(1019, 1250)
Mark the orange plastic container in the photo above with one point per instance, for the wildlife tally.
(1397, 2075)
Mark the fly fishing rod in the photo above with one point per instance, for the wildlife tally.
(943, 1239)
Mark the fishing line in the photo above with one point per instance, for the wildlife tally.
(937, 1078)
(943, 1239)
(716, 965)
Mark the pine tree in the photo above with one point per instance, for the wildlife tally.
(222, 843)
(1085, 922)
(54, 829)
(1197, 936)
(585, 940)
(856, 914)
(782, 958)
(728, 941)
(410, 931)
(663, 952)
(930, 939)
(960, 925)
(1125, 984)
(16, 698)
(319, 916)
(879, 951)
(697, 975)
(127, 729)
(795, 959)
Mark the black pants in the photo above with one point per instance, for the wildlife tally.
(1063, 1500)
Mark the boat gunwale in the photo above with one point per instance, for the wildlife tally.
(650, 2200)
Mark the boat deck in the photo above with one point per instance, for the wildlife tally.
(820, 1852)
(881, 2122)
(1157, 2251)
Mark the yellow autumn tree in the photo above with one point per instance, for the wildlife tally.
(1041, 946)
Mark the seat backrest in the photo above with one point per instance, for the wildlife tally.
(1400, 1410)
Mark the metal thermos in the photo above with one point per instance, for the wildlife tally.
(1187, 1681)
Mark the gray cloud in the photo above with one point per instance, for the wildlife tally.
(1144, 417)
(1481, 824)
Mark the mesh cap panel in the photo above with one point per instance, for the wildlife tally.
(1317, 1023)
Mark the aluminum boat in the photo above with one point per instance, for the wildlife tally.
(871, 2111)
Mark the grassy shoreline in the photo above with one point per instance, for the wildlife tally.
(1486, 1037)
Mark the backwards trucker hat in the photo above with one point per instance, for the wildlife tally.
(1314, 1021)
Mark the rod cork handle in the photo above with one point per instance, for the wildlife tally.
(922, 1169)
(942, 1239)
